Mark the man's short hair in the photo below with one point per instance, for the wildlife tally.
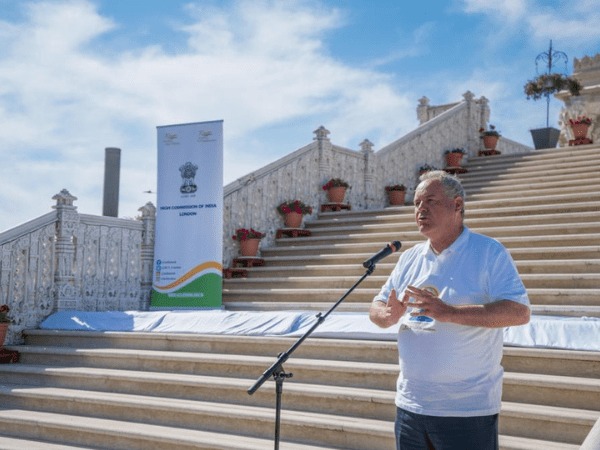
(450, 183)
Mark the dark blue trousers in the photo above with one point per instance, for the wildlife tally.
(418, 432)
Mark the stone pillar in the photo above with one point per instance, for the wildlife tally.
(587, 103)
(66, 297)
(369, 174)
(325, 156)
(112, 168)
(483, 117)
(147, 253)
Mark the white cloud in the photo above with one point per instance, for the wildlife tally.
(574, 20)
(62, 100)
(501, 9)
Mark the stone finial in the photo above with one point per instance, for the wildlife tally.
(366, 146)
(148, 210)
(64, 198)
(321, 133)
(586, 63)
(423, 110)
(468, 96)
(587, 70)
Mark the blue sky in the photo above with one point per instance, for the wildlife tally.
(77, 76)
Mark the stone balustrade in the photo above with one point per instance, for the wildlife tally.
(70, 261)
(587, 103)
(251, 201)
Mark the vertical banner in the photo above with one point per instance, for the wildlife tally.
(188, 252)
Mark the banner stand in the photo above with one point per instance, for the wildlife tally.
(188, 252)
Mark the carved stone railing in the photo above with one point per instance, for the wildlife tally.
(587, 71)
(251, 201)
(70, 261)
(592, 441)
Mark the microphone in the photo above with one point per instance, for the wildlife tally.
(387, 250)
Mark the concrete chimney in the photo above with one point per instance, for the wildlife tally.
(112, 169)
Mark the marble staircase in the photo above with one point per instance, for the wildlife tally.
(124, 390)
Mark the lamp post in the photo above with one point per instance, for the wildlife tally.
(547, 57)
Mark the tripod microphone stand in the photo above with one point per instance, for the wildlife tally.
(276, 370)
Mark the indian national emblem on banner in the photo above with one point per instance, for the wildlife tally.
(188, 173)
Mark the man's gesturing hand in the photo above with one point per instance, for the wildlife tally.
(386, 315)
(427, 304)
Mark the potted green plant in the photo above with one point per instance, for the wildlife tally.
(490, 137)
(544, 86)
(426, 168)
(4, 323)
(396, 193)
(336, 190)
(580, 128)
(454, 157)
(292, 212)
(249, 240)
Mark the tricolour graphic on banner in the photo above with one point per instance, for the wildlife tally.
(188, 252)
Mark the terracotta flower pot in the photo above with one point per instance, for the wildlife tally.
(293, 219)
(490, 142)
(454, 159)
(3, 330)
(580, 130)
(249, 247)
(336, 194)
(397, 197)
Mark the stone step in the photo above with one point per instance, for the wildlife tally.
(232, 303)
(314, 428)
(566, 425)
(350, 401)
(531, 281)
(519, 443)
(568, 363)
(559, 424)
(497, 173)
(485, 209)
(9, 443)
(533, 267)
(314, 348)
(586, 161)
(530, 173)
(527, 190)
(407, 224)
(506, 443)
(537, 155)
(118, 435)
(581, 253)
(537, 297)
(552, 390)
(516, 359)
(572, 233)
(589, 240)
(530, 162)
(351, 236)
(539, 389)
(338, 373)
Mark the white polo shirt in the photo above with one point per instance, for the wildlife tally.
(448, 369)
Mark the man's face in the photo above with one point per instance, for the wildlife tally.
(436, 214)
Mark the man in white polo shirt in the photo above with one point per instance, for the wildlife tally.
(452, 295)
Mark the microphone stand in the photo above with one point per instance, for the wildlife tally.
(276, 369)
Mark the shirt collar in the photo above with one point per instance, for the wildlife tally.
(460, 242)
